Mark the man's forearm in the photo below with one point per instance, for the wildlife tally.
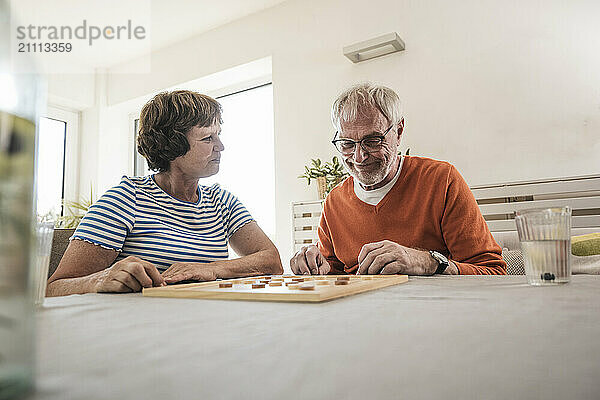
(264, 262)
(477, 269)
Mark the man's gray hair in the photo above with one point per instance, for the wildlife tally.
(346, 106)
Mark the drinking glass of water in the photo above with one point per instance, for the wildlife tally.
(41, 260)
(545, 236)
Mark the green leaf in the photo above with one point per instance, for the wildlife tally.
(333, 171)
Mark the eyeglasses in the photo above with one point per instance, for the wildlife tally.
(369, 144)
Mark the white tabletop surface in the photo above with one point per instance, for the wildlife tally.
(454, 337)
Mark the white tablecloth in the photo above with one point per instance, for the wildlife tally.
(431, 338)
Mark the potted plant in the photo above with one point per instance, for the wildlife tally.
(75, 210)
(326, 174)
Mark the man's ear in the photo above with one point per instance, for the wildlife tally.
(400, 127)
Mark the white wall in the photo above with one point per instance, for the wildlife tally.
(505, 90)
(72, 91)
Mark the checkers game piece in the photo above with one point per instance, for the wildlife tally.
(258, 285)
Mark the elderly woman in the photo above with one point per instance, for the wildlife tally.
(165, 228)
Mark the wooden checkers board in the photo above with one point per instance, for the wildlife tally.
(311, 289)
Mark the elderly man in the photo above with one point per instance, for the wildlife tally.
(395, 214)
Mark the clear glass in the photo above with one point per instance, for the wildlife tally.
(19, 104)
(545, 236)
(43, 238)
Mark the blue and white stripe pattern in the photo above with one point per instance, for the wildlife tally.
(138, 218)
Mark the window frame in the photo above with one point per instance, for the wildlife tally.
(138, 163)
(71, 164)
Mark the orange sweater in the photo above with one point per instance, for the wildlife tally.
(430, 207)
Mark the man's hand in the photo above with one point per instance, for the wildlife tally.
(387, 257)
(309, 260)
(183, 271)
(130, 274)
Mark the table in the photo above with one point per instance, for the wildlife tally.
(451, 337)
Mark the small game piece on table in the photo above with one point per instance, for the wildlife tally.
(225, 284)
(342, 282)
(258, 285)
(343, 278)
(298, 279)
(306, 286)
(275, 283)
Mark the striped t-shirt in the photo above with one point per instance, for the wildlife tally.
(138, 218)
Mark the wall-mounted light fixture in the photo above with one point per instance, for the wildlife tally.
(379, 46)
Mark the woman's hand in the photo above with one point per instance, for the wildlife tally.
(183, 271)
(130, 274)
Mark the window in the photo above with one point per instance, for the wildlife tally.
(248, 162)
(57, 177)
(50, 166)
(247, 166)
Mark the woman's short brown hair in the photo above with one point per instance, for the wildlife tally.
(165, 120)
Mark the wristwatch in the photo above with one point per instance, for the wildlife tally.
(442, 261)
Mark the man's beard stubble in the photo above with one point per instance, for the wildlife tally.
(371, 178)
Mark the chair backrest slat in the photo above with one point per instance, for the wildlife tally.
(537, 187)
(305, 222)
(499, 202)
